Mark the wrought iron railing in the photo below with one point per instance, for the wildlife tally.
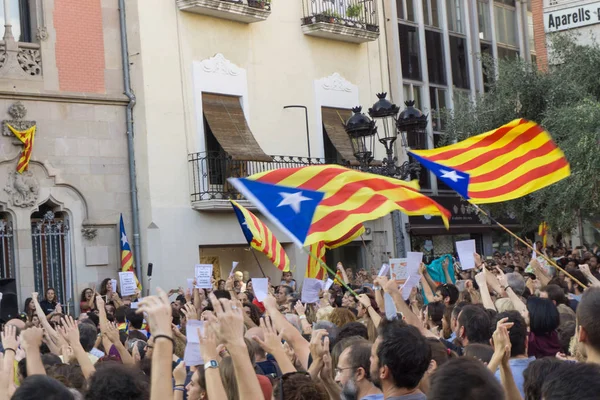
(210, 170)
(360, 14)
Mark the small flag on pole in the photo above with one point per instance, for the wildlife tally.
(126, 254)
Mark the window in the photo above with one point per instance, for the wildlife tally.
(51, 253)
(506, 2)
(431, 12)
(413, 92)
(409, 52)
(437, 98)
(460, 95)
(456, 15)
(406, 10)
(485, 27)
(506, 25)
(19, 17)
(460, 69)
(215, 157)
(530, 33)
(487, 63)
(435, 57)
(332, 156)
(504, 53)
(7, 250)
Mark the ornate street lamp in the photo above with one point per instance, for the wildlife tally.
(362, 130)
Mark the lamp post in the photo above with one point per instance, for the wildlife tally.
(410, 125)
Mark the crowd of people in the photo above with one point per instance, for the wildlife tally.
(515, 327)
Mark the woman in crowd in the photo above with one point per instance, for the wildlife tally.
(87, 302)
(48, 305)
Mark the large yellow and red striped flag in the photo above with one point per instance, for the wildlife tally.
(509, 162)
(26, 137)
(323, 203)
(260, 237)
(314, 269)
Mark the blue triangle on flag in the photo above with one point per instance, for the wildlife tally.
(456, 179)
(243, 224)
(290, 209)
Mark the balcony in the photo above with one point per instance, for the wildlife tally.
(210, 190)
(245, 11)
(354, 21)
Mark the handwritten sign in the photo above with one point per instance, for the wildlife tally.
(204, 276)
(398, 268)
(127, 283)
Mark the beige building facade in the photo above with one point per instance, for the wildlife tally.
(213, 79)
(61, 70)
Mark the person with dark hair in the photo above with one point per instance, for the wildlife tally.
(252, 312)
(399, 358)
(560, 300)
(136, 322)
(464, 378)
(519, 341)
(221, 284)
(353, 329)
(474, 326)
(588, 321)
(353, 373)
(121, 318)
(87, 302)
(544, 319)
(222, 294)
(299, 386)
(579, 381)
(282, 294)
(116, 381)
(440, 354)
(48, 305)
(435, 315)
(87, 338)
(479, 351)
(447, 293)
(535, 375)
(42, 387)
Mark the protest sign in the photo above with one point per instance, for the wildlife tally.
(204, 276)
(127, 283)
(466, 254)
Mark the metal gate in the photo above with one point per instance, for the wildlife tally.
(6, 249)
(51, 257)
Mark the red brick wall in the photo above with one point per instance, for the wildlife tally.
(539, 36)
(79, 45)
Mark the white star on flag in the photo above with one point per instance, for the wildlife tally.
(123, 238)
(293, 200)
(452, 175)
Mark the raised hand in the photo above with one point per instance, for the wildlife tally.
(272, 342)
(158, 313)
(69, 330)
(34, 295)
(190, 311)
(58, 309)
(270, 302)
(9, 338)
(501, 277)
(112, 332)
(32, 338)
(391, 286)
(501, 339)
(364, 300)
(231, 319)
(300, 308)
(208, 342)
(318, 343)
(179, 374)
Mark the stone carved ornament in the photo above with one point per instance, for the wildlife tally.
(89, 233)
(23, 189)
(219, 64)
(336, 83)
(18, 112)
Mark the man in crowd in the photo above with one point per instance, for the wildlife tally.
(588, 321)
(399, 358)
(353, 373)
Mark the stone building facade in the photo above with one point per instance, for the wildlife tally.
(61, 70)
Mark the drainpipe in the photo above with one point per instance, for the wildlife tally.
(135, 212)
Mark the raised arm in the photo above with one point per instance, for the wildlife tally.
(31, 340)
(366, 302)
(54, 336)
(486, 298)
(158, 315)
(445, 265)
(427, 282)
(70, 332)
(231, 323)
(208, 347)
(593, 281)
(301, 311)
(272, 345)
(290, 333)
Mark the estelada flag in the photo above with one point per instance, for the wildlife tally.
(504, 164)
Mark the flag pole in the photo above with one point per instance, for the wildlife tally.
(258, 262)
(352, 292)
(526, 244)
